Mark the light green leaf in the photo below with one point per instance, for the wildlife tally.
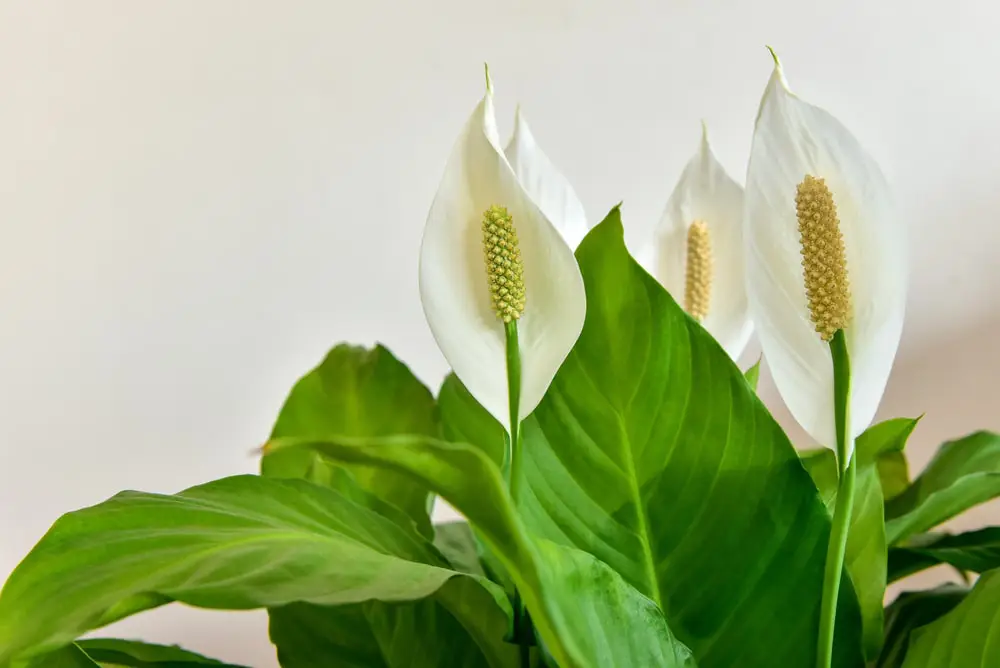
(586, 615)
(963, 474)
(975, 551)
(138, 654)
(460, 626)
(912, 610)
(237, 543)
(883, 443)
(753, 375)
(966, 637)
(651, 452)
(358, 392)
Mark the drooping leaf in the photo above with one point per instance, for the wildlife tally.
(587, 616)
(966, 637)
(911, 610)
(138, 654)
(963, 474)
(975, 551)
(237, 543)
(358, 392)
(651, 452)
(459, 626)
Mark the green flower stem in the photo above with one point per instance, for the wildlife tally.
(522, 623)
(845, 500)
(513, 401)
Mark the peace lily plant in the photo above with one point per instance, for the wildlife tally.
(628, 500)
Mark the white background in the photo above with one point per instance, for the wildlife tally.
(199, 198)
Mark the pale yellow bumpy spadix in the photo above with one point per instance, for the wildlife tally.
(698, 271)
(824, 260)
(504, 268)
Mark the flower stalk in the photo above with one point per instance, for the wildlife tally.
(847, 468)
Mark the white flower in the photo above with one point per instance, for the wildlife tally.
(697, 251)
(546, 186)
(454, 283)
(803, 157)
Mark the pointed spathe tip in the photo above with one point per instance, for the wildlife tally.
(774, 56)
(489, 81)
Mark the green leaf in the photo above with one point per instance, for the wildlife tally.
(753, 375)
(883, 444)
(358, 392)
(975, 551)
(237, 543)
(865, 559)
(963, 474)
(459, 626)
(586, 615)
(137, 654)
(651, 452)
(967, 636)
(912, 610)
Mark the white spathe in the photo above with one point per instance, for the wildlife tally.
(706, 192)
(545, 184)
(791, 139)
(453, 280)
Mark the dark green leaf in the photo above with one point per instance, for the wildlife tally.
(963, 474)
(975, 551)
(586, 615)
(237, 543)
(460, 626)
(358, 392)
(138, 654)
(651, 452)
(966, 637)
(912, 610)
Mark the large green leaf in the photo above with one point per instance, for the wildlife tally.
(358, 392)
(975, 551)
(587, 616)
(237, 543)
(459, 626)
(963, 474)
(651, 452)
(966, 637)
(910, 611)
(137, 654)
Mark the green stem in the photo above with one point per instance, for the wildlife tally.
(513, 401)
(847, 469)
(522, 623)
